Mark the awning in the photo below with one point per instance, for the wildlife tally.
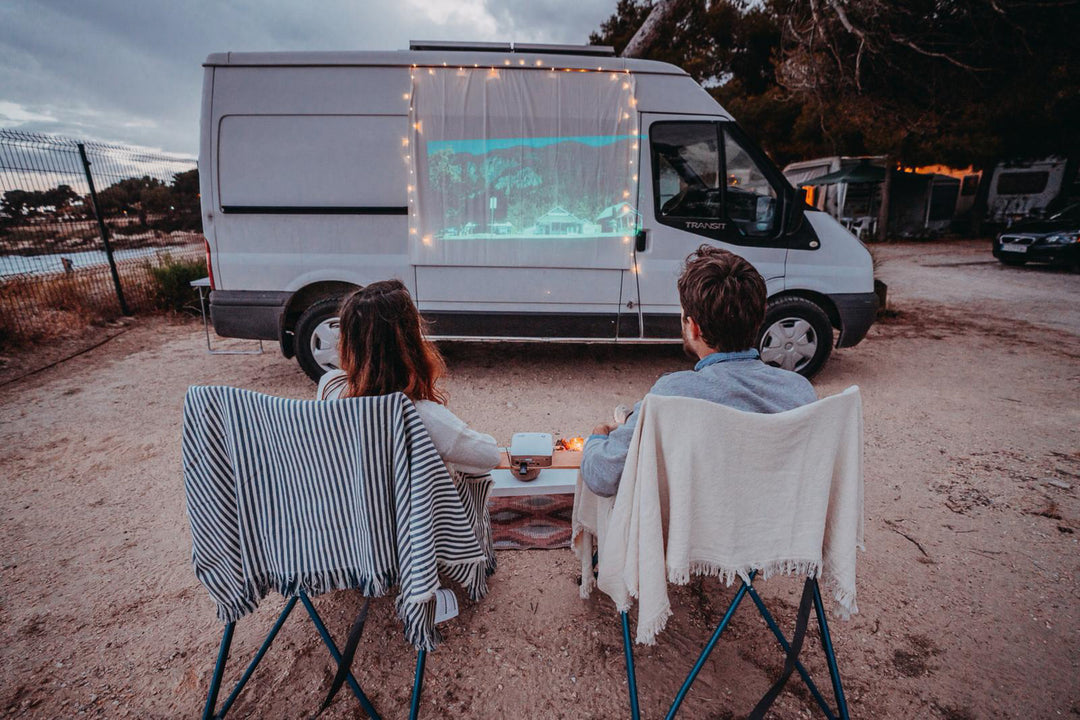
(851, 176)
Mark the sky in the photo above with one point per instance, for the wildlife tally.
(130, 71)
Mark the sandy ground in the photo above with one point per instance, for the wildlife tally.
(969, 590)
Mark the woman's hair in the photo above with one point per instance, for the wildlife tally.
(382, 346)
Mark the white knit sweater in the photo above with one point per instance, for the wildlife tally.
(461, 447)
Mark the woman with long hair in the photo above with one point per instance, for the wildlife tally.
(382, 350)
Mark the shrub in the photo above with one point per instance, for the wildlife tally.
(172, 281)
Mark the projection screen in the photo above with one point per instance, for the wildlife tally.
(522, 167)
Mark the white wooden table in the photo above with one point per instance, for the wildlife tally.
(558, 480)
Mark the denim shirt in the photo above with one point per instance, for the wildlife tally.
(736, 379)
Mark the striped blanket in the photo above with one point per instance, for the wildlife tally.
(313, 496)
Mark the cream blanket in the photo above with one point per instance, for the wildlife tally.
(711, 490)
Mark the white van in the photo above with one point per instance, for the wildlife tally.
(523, 192)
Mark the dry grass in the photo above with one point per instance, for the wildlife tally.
(40, 309)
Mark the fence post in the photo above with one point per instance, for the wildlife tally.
(104, 231)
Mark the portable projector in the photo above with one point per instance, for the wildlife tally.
(529, 453)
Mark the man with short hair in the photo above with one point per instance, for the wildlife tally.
(723, 306)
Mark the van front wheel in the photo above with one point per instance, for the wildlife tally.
(796, 335)
(317, 338)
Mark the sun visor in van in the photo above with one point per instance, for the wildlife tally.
(522, 167)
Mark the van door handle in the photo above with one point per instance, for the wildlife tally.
(641, 240)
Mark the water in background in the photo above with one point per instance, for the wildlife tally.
(11, 265)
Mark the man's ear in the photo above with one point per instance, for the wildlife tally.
(694, 330)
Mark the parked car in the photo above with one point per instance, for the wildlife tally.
(1055, 239)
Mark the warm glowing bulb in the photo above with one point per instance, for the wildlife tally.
(418, 126)
(614, 77)
(521, 62)
(404, 142)
(539, 63)
(633, 102)
(404, 96)
(412, 231)
(427, 240)
(626, 193)
(626, 116)
(634, 132)
(625, 85)
(626, 239)
(409, 188)
(506, 62)
(634, 146)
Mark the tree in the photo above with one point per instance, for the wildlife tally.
(924, 81)
(937, 80)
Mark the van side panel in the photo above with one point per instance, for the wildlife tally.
(307, 176)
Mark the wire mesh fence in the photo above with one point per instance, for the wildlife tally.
(87, 229)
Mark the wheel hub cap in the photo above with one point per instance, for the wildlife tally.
(324, 343)
(789, 343)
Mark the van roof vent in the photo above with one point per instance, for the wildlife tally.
(590, 50)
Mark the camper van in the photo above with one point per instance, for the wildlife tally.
(521, 192)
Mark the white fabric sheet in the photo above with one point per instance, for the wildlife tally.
(516, 167)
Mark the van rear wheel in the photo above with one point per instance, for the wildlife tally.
(317, 338)
(796, 335)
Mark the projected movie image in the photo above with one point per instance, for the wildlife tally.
(542, 188)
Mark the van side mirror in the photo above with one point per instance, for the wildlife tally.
(797, 209)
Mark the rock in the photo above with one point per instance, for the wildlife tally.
(1057, 483)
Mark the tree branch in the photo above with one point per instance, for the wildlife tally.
(646, 34)
(943, 56)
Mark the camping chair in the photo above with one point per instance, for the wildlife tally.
(304, 497)
(780, 494)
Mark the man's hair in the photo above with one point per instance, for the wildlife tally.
(726, 297)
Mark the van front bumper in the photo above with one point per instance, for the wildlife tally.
(857, 312)
(249, 314)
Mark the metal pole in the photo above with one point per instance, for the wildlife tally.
(708, 649)
(830, 654)
(103, 231)
(418, 684)
(219, 670)
(631, 675)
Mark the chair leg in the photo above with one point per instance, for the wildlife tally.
(830, 655)
(219, 670)
(329, 642)
(631, 675)
(418, 685)
(258, 657)
(707, 651)
(771, 622)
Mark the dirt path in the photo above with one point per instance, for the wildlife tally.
(969, 589)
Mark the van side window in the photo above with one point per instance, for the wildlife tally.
(751, 200)
(686, 171)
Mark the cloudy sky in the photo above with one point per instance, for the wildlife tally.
(130, 70)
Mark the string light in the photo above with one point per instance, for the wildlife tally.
(404, 142)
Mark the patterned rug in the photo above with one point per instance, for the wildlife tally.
(531, 522)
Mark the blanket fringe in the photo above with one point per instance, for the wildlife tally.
(647, 630)
(311, 583)
(729, 574)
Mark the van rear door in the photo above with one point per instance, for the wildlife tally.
(702, 182)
